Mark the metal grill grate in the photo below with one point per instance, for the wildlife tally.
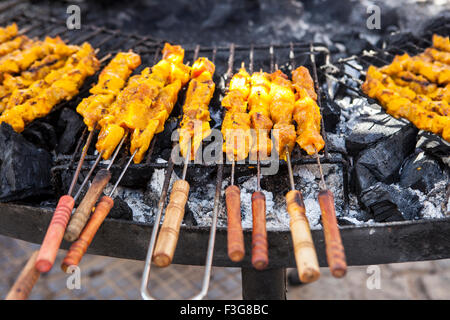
(344, 69)
(256, 57)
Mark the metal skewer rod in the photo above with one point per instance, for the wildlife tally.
(106, 203)
(84, 210)
(235, 234)
(80, 162)
(164, 246)
(303, 245)
(333, 242)
(260, 253)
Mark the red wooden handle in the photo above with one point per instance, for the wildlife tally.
(236, 250)
(55, 233)
(333, 243)
(260, 252)
(79, 247)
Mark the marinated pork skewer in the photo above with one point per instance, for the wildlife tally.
(194, 128)
(135, 110)
(308, 118)
(64, 208)
(64, 88)
(259, 106)
(8, 32)
(236, 133)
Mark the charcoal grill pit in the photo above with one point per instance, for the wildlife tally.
(376, 243)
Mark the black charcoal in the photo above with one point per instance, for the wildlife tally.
(24, 168)
(372, 128)
(435, 146)
(331, 114)
(391, 203)
(41, 134)
(384, 159)
(421, 172)
(120, 210)
(71, 125)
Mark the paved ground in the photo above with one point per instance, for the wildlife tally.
(109, 278)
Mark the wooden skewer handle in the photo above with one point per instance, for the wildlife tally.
(55, 233)
(79, 247)
(236, 250)
(170, 230)
(334, 247)
(84, 210)
(26, 280)
(260, 251)
(305, 253)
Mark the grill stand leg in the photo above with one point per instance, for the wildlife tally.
(263, 285)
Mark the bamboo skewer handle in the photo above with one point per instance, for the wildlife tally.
(55, 233)
(334, 247)
(236, 250)
(260, 252)
(26, 280)
(305, 253)
(79, 247)
(170, 230)
(84, 210)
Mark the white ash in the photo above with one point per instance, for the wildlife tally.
(434, 203)
(336, 142)
(135, 200)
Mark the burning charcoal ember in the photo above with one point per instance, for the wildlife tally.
(372, 128)
(24, 168)
(41, 134)
(71, 125)
(391, 203)
(421, 172)
(121, 210)
(435, 146)
(384, 159)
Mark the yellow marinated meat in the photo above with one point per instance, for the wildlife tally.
(399, 106)
(301, 78)
(259, 111)
(62, 89)
(440, 107)
(437, 55)
(8, 32)
(282, 100)
(236, 123)
(163, 106)
(195, 126)
(307, 115)
(132, 109)
(110, 81)
(441, 43)
(14, 44)
(16, 87)
(436, 72)
(20, 60)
